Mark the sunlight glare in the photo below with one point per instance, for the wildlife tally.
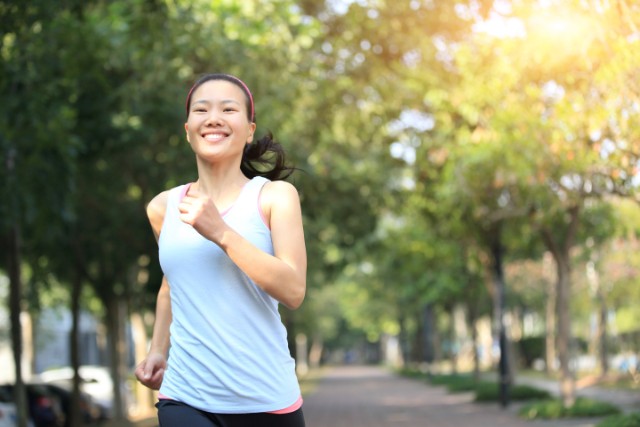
(562, 30)
(501, 26)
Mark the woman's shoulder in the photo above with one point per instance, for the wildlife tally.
(156, 209)
(279, 199)
(159, 201)
(279, 191)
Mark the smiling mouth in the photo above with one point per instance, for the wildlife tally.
(214, 136)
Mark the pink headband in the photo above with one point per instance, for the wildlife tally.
(227, 77)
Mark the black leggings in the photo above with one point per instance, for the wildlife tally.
(177, 414)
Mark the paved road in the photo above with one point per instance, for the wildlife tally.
(356, 396)
(369, 396)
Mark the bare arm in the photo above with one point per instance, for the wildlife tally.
(150, 371)
(160, 338)
(282, 275)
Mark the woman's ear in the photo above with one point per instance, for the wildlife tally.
(186, 130)
(252, 130)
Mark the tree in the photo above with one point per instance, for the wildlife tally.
(559, 113)
(37, 168)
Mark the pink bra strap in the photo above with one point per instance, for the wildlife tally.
(184, 191)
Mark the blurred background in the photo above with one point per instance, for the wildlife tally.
(468, 171)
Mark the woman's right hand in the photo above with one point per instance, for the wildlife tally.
(150, 371)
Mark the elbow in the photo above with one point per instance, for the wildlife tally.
(295, 298)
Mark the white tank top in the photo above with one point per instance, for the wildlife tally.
(229, 350)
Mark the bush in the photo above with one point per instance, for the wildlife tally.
(530, 349)
(553, 409)
(490, 392)
(412, 373)
(446, 380)
(464, 385)
(629, 420)
(455, 383)
(486, 391)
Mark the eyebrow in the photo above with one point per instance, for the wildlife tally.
(209, 102)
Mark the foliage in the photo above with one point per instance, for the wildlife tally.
(423, 135)
(110, 75)
(626, 420)
(554, 409)
(412, 372)
(530, 349)
(485, 391)
(619, 264)
(91, 128)
(455, 383)
(490, 392)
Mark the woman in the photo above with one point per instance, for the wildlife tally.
(231, 247)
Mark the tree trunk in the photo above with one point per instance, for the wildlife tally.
(75, 418)
(567, 382)
(117, 346)
(302, 354)
(600, 341)
(472, 313)
(315, 353)
(472, 317)
(550, 316)
(430, 350)
(417, 348)
(404, 341)
(144, 396)
(453, 356)
(15, 308)
(560, 247)
(28, 346)
(499, 310)
(602, 335)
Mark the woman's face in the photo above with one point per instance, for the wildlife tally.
(217, 125)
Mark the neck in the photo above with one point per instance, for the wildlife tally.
(217, 181)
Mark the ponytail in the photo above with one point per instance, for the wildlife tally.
(265, 157)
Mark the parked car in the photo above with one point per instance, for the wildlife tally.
(89, 409)
(95, 381)
(8, 415)
(45, 409)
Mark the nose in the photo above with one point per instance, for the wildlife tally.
(214, 118)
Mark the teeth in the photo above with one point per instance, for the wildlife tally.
(214, 136)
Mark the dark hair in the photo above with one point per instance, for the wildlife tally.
(263, 157)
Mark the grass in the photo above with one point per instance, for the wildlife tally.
(554, 409)
(544, 407)
(628, 420)
(455, 383)
(490, 392)
(412, 373)
(486, 391)
(620, 380)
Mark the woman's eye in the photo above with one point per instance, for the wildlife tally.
(229, 109)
